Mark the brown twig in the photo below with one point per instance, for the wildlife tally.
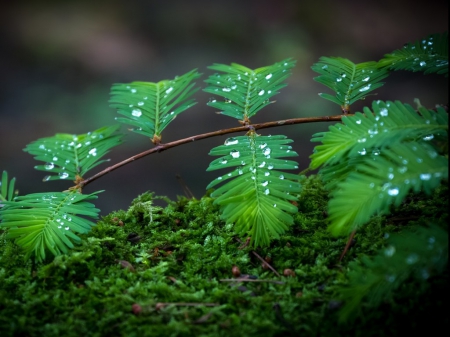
(249, 280)
(347, 246)
(185, 304)
(166, 146)
(265, 263)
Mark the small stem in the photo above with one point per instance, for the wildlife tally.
(347, 246)
(265, 263)
(166, 146)
(249, 280)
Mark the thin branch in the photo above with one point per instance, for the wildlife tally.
(249, 280)
(166, 146)
(265, 263)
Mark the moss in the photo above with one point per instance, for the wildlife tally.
(128, 269)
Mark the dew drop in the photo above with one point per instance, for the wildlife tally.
(366, 79)
(262, 164)
(362, 140)
(67, 228)
(136, 113)
(223, 161)
(422, 63)
(267, 191)
(93, 151)
(412, 258)
(281, 177)
(240, 171)
(393, 191)
(261, 93)
(367, 87)
(268, 76)
(49, 166)
(266, 174)
(168, 91)
(267, 151)
(63, 175)
(270, 167)
(425, 176)
(231, 141)
(358, 121)
(389, 251)
(363, 152)
(263, 145)
(235, 154)
(133, 91)
(226, 89)
(429, 137)
(384, 112)
(141, 103)
(265, 183)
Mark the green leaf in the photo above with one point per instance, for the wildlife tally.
(7, 192)
(69, 156)
(257, 195)
(382, 180)
(429, 55)
(387, 124)
(150, 107)
(350, 82)
(48, 221)
(246, 91)
(420, 252)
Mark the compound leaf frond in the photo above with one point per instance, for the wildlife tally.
(429, 55)
(388, 123)
(150, 107)
(246, 91)
(350, 81)
(42, 222)
(7, 191)
(256, 195)
(382, 180)
(71, 156)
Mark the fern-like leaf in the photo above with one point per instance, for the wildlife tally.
(350, 81)
(246, 91)
(6, 190)
(42, 222)
(429, 55)
(383, 180)
(257, 195)
(71, 156)
(150, 107)
(387, 124)
(419, 252)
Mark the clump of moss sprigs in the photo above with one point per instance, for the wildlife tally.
(154, 271)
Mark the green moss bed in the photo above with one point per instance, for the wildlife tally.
(165, 271)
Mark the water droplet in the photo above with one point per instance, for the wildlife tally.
(63, 175)
(133, 91)
(266, 174)
(325, 66)
(168, 91)
(267, 151)
(412, 258)
(223, 161)
(141, 103)
(422, 63)
(231, 141)
(372, 185)
(261, 93)
(265, 183)
(240, 171)
(367, 87)
(393, 191)
(42, 146)
(425, 176)
(263, 145)
(270, 167)
(425, 274)
(358, 121)
(49, 166)
(391, 176)
(366, 79)
(267, 191)
(363, 152)
(136, 113)
(389, 251)
(429, 137)
(262, 164)
(235, 154)
(226, 89)
(362, 140)
(376, 152)
(390, 278)
(384, 112)
(268, 76)
(274, 205)
(339, 79)
(219, 178)
(46, 178)
(93, 151)
(281, 177)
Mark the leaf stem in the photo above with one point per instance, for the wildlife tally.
(162, 147)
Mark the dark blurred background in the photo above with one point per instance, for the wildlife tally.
(58, 60)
